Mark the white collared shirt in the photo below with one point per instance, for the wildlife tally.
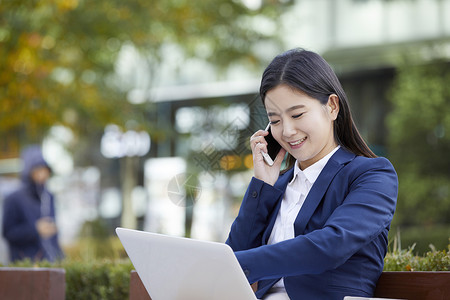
(296, 192)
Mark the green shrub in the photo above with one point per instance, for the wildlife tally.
(405, 260)
(109, 279)
(422, 236)
(98, 280)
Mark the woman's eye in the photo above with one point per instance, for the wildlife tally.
(297, 116)
(274, 122)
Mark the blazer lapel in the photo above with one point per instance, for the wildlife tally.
(281, 185)
(320, 186)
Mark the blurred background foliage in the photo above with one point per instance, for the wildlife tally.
(59, 66)
(419, 147)
(58, 56)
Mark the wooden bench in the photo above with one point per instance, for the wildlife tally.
(137, 289)
(399, 285)
(414, 285)
(32, 283)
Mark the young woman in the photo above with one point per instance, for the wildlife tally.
(318, 229)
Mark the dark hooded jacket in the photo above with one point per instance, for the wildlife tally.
(23, 208)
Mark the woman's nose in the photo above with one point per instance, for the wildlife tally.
(288, 129)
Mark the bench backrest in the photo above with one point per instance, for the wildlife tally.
(414, 285)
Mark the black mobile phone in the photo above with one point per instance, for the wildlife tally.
(272, 145)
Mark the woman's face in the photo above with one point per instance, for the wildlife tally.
(301, 124)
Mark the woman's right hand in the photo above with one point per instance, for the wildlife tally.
(261, 169)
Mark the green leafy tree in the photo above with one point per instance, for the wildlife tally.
(57, 62)
(57, 56)
(419, 143)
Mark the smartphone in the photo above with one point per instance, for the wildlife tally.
(272, 147)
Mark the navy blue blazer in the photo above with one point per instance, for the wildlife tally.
(341, 231)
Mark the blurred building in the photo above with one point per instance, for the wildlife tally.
(364, 41)
(203, 126)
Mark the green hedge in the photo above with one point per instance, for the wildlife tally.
(405, 260)
(110, 278)
(422, 236)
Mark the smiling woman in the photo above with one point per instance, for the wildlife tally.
(301, 124)
(317, 80)
(317, 230)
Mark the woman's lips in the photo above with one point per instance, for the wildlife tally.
(297, 144)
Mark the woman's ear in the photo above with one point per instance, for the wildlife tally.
(333, 106)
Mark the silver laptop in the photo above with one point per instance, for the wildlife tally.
(173, 268)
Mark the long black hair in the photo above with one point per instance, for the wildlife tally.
(309, 73)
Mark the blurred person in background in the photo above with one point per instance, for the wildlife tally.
(29, 213)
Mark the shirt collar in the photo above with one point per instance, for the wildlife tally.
(312, 172)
